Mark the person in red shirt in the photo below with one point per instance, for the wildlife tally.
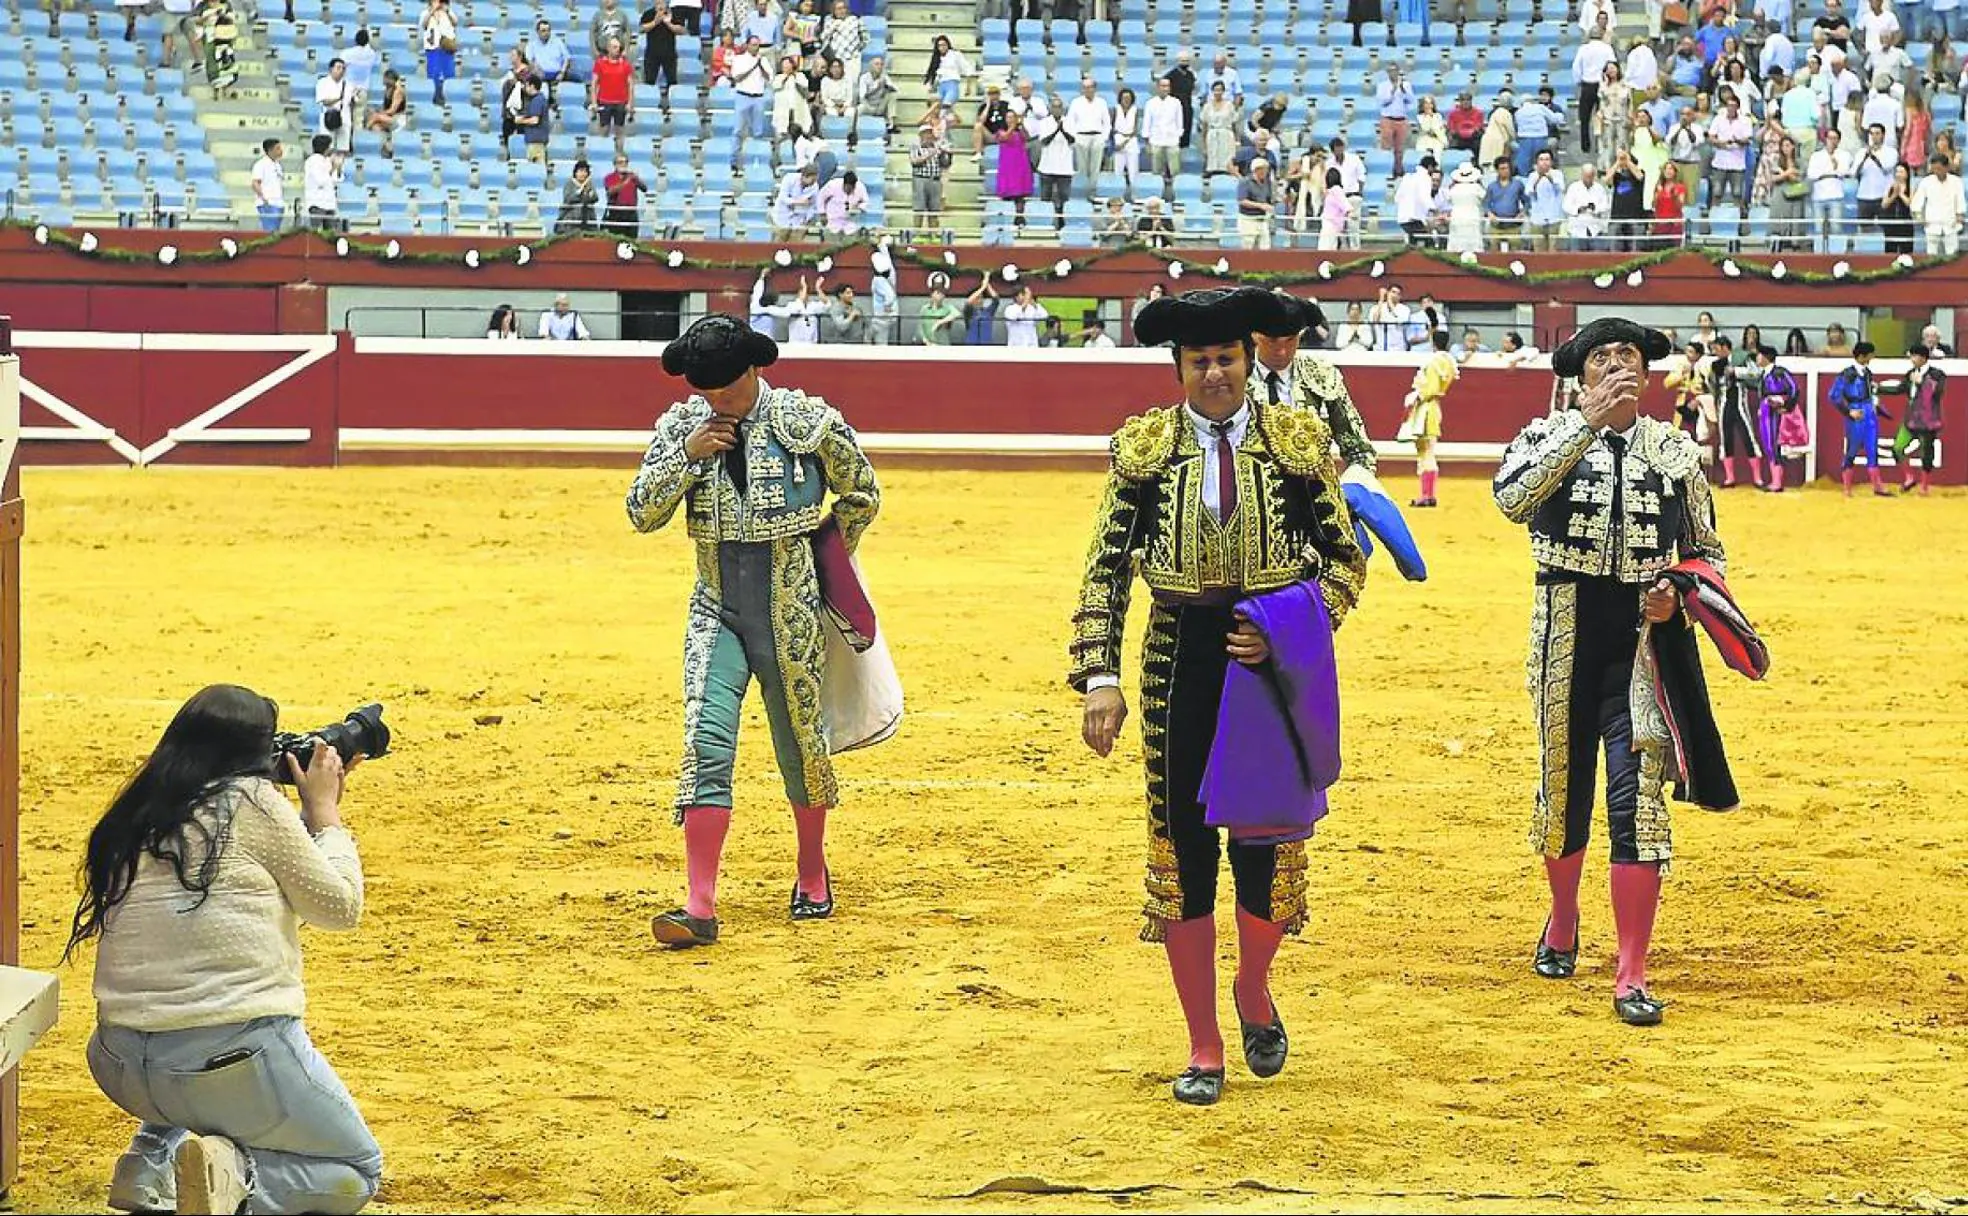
(1465, 123)
(614, 88)
(1670, 204)
(624, 189)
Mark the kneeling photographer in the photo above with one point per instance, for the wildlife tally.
(198, 879)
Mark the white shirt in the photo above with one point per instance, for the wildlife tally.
(1939, 204)
(1022, 323)
(1589, 15)
(953, 66)
(269, 183)
(1100, 342)
(747, 75)
(563, 326)
(1827, 173)
(1589, 62)
(333, 94)
(1414, 197)
(1874, 167)
(1390, 326)
(171, 962)
(1725, 130)
(1844, 83)
(1162, 120)
(1875, 27)
(1089, 118)
(803, 324)
(1207, 440)
(318, 180)
(1587, 208)
(1886, 110)
(1642, 68)
(359, 62)
(1055, 155)
(1777, 52)
(1352, 173)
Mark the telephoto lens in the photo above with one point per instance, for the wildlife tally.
(361, 733)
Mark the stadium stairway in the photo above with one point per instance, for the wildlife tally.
(251, 111)
(913, 26)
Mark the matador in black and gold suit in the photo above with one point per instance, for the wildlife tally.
(1208, 500)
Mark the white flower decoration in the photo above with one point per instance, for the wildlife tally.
(341, 246)
(823, 266)
(782, 259)
(1062, 268)
(625, 251)
(1468, 258)
(471, 258)
(1730, 269)
(1379, 269)
(1635, 279)
(949, 257)
(524, 255)
(1010, 273)
(1840, 269)
(1175, 270)
(393, 250)
(1779, 270)
(40, 234)
(230, 246)
(1903, 261)
(1325, 270)
(675, 259)
(167, 254)
(1517, 268)
(1602, 282)
(88, 242)
(1223, 266)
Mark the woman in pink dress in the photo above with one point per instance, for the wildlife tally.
(1014, 168)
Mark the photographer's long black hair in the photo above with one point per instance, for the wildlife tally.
(222, 733)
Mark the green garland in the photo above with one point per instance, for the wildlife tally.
(1322, 271)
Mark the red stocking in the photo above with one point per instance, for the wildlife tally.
(1191, 946)
(1563, 875)
(810, 823)
(704, 829)
(1257, 945)
(1636, 897)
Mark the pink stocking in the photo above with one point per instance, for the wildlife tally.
(1563, 875)
(1728, 471)
(1257, 945)
(1777, 474)
(704, 829)
(1846, 478)
(1191, 946)
(1428, 485)
(1872, 471)
(1636, 897)
(810, 824)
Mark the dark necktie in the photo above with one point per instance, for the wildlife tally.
(734, 462)
(1617, 519)
(1226, 473)
(1277, 387)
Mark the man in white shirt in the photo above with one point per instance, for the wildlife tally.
(1777, 52)
(1096, 336)
(361, 60)
(320, 175)
(1389, 317)
(1222, 73)
(1022, 318)
(1162, 124)
(1828, 170)
(1882, 109)
(269, 185)
(1874, 24)
(1642, 67)
(1089, 121)
(1587, 206)
(1589, 13)
(792, 207)
(1729, 136)
(336, 99)
(1874, 169)
(1938, 203)
(1414, 201)
(1588, 72)
(749, 80)
(1055, 161)
(1352, 180)
(1894, 63)
(561, 323)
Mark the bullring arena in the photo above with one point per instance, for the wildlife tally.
(978, 1029)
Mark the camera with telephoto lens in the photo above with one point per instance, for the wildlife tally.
(362, 733)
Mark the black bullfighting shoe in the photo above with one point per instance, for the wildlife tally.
(805, 908)
(1199, 1086)
(682, 930)
(1555, 964)
(1265, 1047)
(1636, 1008)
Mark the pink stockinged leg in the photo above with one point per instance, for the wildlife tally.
(1191, 946)
(810, 824)
(1257, 946)
(1563, 874)
(704, 830)
(1636, 898)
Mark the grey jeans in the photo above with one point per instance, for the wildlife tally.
(271, 1093)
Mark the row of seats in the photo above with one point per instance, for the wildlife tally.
(1243, 12)
(1306, 25)
(72, 134)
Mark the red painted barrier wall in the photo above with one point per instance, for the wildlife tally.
(111, 308)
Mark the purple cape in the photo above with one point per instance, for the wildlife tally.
(1277, 727)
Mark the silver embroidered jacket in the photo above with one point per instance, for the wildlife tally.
(1558, 477)
(795, 449)
(1313, 383)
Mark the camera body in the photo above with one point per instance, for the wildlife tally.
(361, 733)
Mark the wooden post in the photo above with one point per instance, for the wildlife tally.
(11, 518)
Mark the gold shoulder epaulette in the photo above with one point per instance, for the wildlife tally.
(1142, 447)
(1299, 439)
(800, 421)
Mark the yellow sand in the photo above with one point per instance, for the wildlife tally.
(980, 1010)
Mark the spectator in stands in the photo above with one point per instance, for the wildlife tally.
(1431, 132)
(1513, 352)
(1218, 123)
(765, 24)
(885, 318)
(801, 34)
(394, 112)
(1055, 161)
(1052, 336)
(612, 23)
(1589, 67)
(1686, 68)
(1472, 342)
(1095, 337)
(1875, 24)
(562, 324)
(1089, 123)
(929, 160)
(1545, 202)
(360, 62)
(1613, 115)
(1728, 137)
(690, 15)
(1258, 149)
(132, 9)
(1152, 227)
(994, 118)
(1022, 318)
(1181, 80)
(580, 201)
(1874, 171)
(843, 40)
(1944, 63)
(1395, 98)
(1126, 128)
(269, 185)
(803, 319)
(1165, 123)
(720, 69)
(321, 177)
(1538, 124)
(1884, 110)
(1642, 66)
(533, 121)
(1939, 207)
(980, 313)
(1414, 201)
(793, 205)
(841, 203)
(1930, 337)
(1232, 81)
(614, 92)
(792, 109)
(1336, 214)
(1827, 174)
(837, 95)
(1116, 226)
(1504, 207)
(1916, 132)
(512, 96)
(749, 80)
(1354, 333)
(624, 188)
(1896, 213)
(179, 22)
(1687, 143)
(660, 25)
(877, 93)
(1389, 318)
(1268, 117)
(439, 30)
(1670, 206)
(936, 318)
(1499, 131)
(1465, 124)
(1363, 12)
(504, 324)
(1465, 196)
(335, 100)
(219, 31)
(1257, 203)
(1587, 206)
(946, 71)
(844, 321)
(553, 62)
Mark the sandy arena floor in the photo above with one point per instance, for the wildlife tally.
(979, 1023)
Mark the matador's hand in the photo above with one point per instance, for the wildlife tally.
(1247, 645)
(1106, 710)
(717, 434)
(1600, 402)
(1662, 602)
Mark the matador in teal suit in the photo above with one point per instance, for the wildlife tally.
(752, 466)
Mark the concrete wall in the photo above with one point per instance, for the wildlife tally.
(399, 312)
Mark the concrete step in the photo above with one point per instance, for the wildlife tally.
(274, 123)
(258, 95)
